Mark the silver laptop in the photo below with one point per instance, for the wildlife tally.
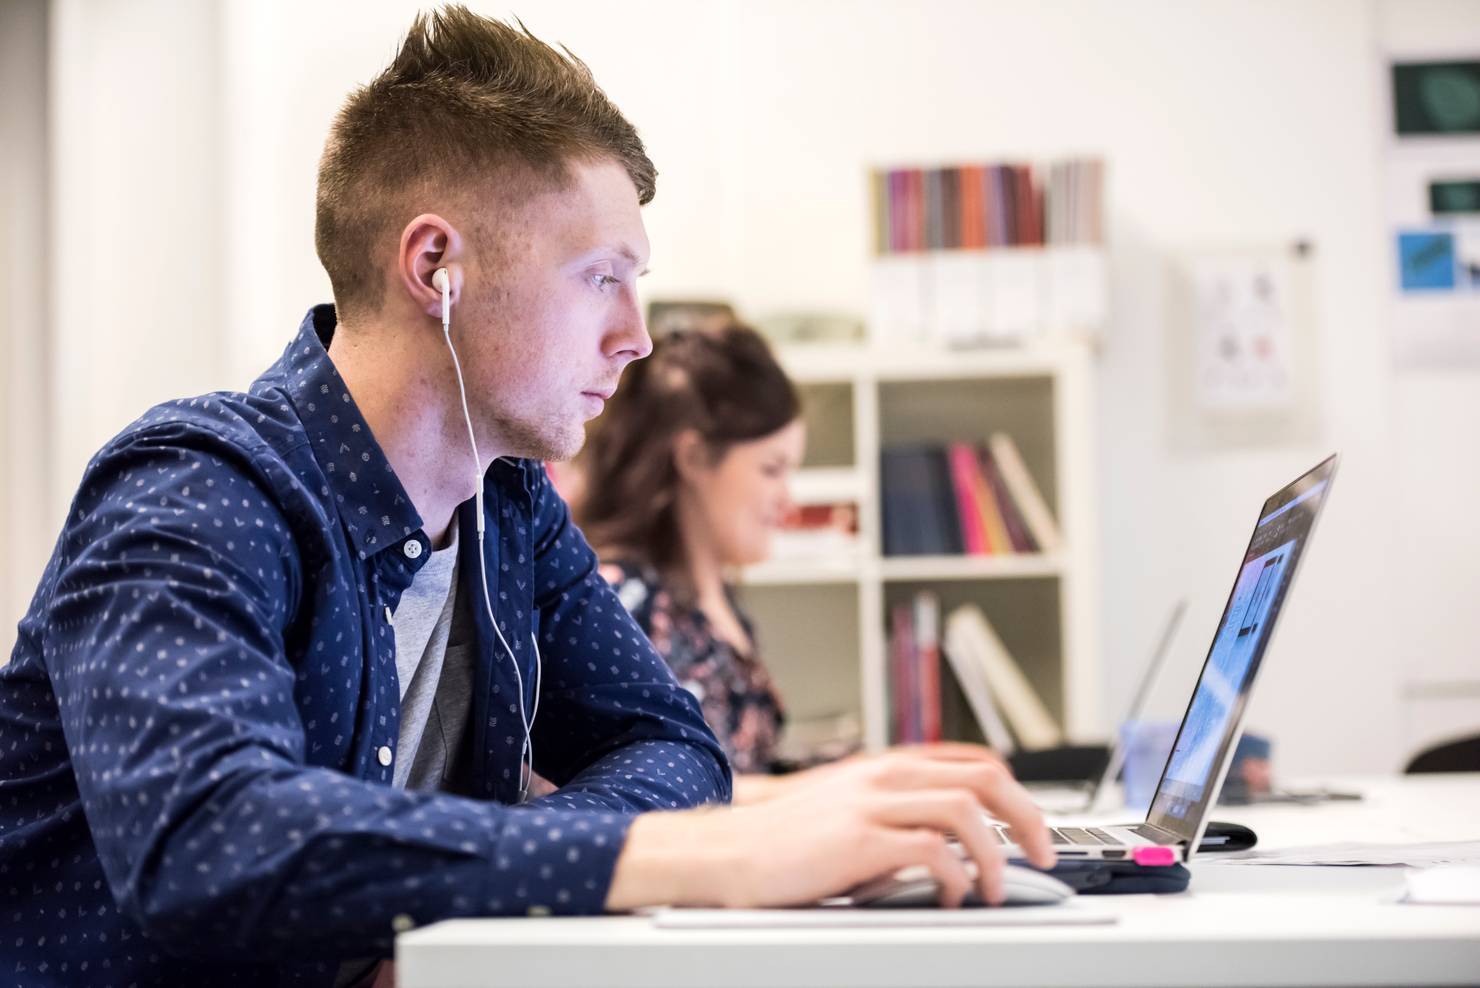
(1205, 742)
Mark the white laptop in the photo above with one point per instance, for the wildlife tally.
(1210, 729)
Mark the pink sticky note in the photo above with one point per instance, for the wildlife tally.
(1154, 857)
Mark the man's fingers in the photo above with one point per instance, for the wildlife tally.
(955, 812)
(1012, 805)
(998, 792)
(928, 847)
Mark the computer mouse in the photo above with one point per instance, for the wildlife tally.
(916, 888)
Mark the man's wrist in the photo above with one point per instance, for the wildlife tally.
(753, 788)
(668, 859)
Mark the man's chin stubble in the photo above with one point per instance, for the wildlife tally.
(529, 441)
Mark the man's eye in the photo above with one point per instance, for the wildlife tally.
(604, 281)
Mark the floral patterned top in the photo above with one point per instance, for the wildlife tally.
(734, 689)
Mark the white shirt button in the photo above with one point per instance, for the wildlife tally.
(388, 618)
(412, 548)
(384, 754)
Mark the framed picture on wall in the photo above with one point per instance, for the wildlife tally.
(1431, 207)
(1242, 348)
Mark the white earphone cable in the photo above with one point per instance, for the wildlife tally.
(526, 752)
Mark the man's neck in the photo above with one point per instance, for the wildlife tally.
(409, 401)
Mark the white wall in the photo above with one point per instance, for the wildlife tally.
(1224, 122)
(24, 448)
(1435, 415)
(136, 286)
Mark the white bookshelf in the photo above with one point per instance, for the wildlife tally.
(821, 619)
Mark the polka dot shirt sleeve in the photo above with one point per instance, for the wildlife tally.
(175, 699)
(615, 729)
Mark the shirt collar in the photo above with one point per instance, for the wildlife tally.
(375, 508)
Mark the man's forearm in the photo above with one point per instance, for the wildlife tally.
(667, 860)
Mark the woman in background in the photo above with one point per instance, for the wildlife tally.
(684, 479)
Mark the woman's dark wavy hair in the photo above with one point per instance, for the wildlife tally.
(725, 384)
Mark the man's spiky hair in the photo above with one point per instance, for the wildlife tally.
(467, 100)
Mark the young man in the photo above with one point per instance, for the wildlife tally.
(277, 696)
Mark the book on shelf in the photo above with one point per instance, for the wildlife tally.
(1024, 493)
(1012, 518)
(964, 474)
(959, 498)
(994, 684)
(920, 516)
(823, 530)
(903, 674)
(971, 676)
(914, 670)
(927, 659)
(984, 254)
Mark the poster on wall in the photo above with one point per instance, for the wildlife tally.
(1432, 206)
(1241, 321)
(1242, 347)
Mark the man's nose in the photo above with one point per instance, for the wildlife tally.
(629, 336)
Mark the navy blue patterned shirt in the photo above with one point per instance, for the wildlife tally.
(198, 723)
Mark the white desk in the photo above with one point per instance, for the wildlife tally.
(1237, 925)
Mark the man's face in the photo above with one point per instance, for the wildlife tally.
(551, 314)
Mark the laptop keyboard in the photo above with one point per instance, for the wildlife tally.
(1067, 836)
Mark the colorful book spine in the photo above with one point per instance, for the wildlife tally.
(879, 188)
(1012, 518)
(991, 515)
(982, 206)
(973, 208)
(964, 478)
(915, 200)
(904, 671)
(1025, 493)
(927, 655)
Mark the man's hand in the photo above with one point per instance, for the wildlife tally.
(862, 819)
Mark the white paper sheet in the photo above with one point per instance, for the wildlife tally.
(1429, 855)
(1063, 914)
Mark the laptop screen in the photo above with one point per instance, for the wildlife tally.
(1204, 744)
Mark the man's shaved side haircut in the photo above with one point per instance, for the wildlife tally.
(470, 107)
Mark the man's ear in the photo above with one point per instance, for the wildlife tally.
(430, 242)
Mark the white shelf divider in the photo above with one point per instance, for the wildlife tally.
(1016, 566)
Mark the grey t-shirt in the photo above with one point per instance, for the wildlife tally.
(434, 661)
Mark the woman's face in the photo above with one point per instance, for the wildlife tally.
(744, 497)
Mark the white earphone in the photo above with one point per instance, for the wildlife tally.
(442, 281)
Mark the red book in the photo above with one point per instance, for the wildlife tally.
(1039, 220)
(973, 213)
(1022, 187)
(962, 459)
(903, 662)
(927, 654)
